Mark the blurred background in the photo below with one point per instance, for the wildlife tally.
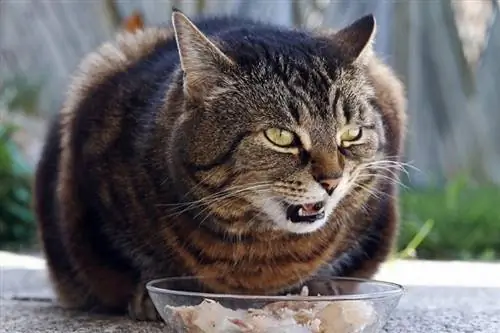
(447, 52)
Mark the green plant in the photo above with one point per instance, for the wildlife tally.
(17, 227)
(466, 222)
(16, 218)
(410, 251)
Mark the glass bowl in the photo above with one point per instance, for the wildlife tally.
(350, 306)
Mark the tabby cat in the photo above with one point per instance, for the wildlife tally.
(225, 147)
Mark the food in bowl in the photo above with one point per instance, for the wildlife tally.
(284, 317)
(364, 310)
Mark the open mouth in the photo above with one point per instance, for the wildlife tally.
(306, 213)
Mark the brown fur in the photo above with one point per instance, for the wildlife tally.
(108, 202)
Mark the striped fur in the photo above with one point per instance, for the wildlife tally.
(147, 172)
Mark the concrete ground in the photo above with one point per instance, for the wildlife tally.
(454, 297)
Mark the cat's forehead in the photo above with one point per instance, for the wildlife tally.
(290, 82)
(319, 98)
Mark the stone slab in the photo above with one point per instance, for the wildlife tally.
(441, 297)
(421, 310)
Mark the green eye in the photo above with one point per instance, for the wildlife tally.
(280, 137)
(351, 134)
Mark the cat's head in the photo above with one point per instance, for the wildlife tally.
(279, 125)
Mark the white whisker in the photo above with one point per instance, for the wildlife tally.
(392, 172)
(377, 175)
(373, 191)
(217, 197)
(200, 183)
(215, 194)
(402, 165)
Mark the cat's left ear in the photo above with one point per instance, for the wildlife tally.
(356, 40)
(201, 60)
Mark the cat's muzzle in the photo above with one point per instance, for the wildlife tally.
(306, 213)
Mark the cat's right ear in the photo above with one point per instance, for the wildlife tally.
(201, 60)
(356, 40)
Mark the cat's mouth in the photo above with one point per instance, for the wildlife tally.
(306, 213)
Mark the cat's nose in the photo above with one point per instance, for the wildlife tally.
(327, 168)
(330, 184)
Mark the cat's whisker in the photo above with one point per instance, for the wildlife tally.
(390, 162)
(391, 170)
(232, 193)
(378, 175)
(387, 166)
(396, 163)
(199, 184)
(228, 203)
(218, 199)
(409, 163)
(373, 191)
(221, 203)
(204, 204)
(209, 212)
(234, 187)
(216, 196)
(358, 175)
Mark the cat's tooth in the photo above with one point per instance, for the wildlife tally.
(302, 212)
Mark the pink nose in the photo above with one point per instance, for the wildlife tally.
(330, 184)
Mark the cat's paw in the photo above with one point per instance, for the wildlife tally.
(322, 287)
(141, 307)
(314, 288)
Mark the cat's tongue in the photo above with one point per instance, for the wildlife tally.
(310, 208)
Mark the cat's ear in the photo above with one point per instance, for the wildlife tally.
(356, 40)
(201, 60)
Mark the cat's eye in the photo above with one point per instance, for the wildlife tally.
(352, 134)
(280, 137)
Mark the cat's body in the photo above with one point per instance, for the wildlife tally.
(137, 146)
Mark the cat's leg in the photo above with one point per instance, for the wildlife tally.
(318, 284)
(141, 307)
(70, 291)
(321, 284)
